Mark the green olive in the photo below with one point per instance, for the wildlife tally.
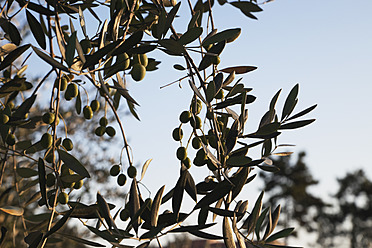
(88, 112)
(115, 170)
(132, 171)
(181, 153)
(67, 143)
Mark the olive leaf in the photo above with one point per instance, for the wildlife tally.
(36, 29)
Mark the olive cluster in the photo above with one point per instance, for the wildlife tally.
(121, 178)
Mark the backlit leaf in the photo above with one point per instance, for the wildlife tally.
(190, 35)
(49, 60)
(36, 29)
(155, 206)
(72, 163)
(11, 210)
(13, 55)
(281, 234)
(228, 233)
(239, 69)
(229, 35)
(26, 172)
(296, 124)
(290, 102)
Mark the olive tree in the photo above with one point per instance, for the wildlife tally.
(89, 72)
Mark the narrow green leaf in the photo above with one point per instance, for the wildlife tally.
(268, 128)
(239, 69)
(59, 224)
(304, 112)
(205, 235)
(13, 55)
(296, 124)
(36, 29)
(238, 236)
(155, 206)
(211, 91)
(24, 108)
(42, 179)
(203, 216)
(290, 102)
(49, 60)
(281, 234)
(105, 210)
(170, 17)
(134, 205)
(11, 210)
(144, 167)
(172, 46)
(229, 35)
(179, 67)
(70, 49)
(260, 221)
(197, 92)
(80, 240)
(73, 163)
(3, 232)
(11, 30)
(238, 161)
(26, 172)
(193, 20)
(94, 58)
(222, 189)
(192, 228)
(178, 193)
(228, 233)
(34, 239)
(190, 186)
(190, 35)
(223, 212)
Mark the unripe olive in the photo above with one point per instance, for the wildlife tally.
(187, 162)
(177, 134)
(124, 214)
(88, 112)
(185, 116)
(132, 171)
(46, 140)
(181, 153)
(103, 121)
(110, 131)
(115, 170)
(95, 105)
(124, 60)
(100, 131)
(219, 95)
(67, 143)
(62, 198)
(215, 60)
(121, 180)
(196, 122)
(10, 139)
(138, 72)
(85, 45)
(78, 184)
(50, 180)
(4, 118)
(48, 118)
(140, 59)
(71, 92)
(196, 143)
